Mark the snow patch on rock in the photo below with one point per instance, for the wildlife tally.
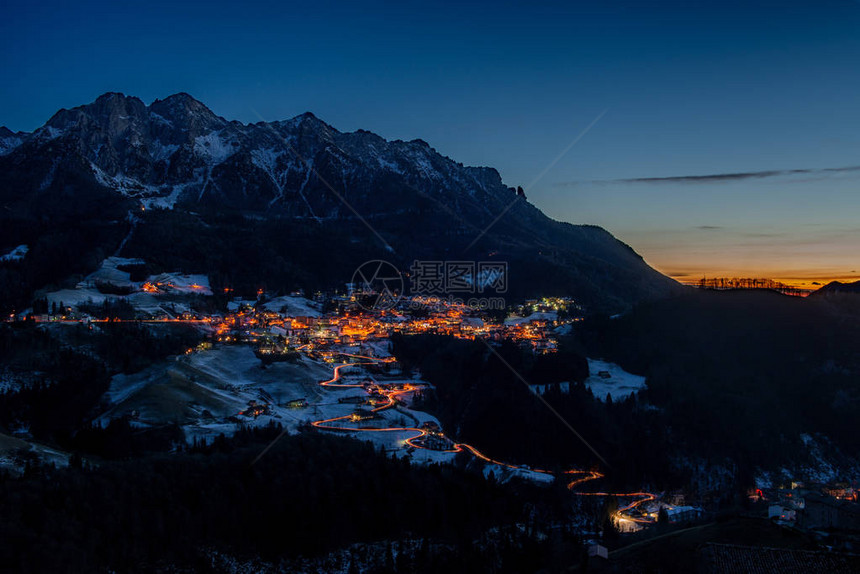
(213, 147)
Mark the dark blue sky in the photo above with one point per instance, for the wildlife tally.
(689, 89)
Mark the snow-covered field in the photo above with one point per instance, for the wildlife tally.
(86, 291)
(619, 385)
(293, 306)
(205, 392)
(537, 316)
(109, 273)
(201, 390)
(153, 303)
(15, 451)
(181, 283)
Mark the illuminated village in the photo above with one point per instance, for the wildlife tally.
(351, 384)
(277, 333)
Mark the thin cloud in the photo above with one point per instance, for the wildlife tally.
(722, 177)
(710, 178)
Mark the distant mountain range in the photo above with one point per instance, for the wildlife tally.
(839, 287)
(265, 203)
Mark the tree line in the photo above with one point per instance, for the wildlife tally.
(480, 398)
(723, 283)
(310, 494)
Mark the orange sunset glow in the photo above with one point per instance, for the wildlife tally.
(804, 257)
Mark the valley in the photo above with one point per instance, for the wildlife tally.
(281, 347)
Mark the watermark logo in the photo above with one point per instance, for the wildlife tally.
(449, 277)
(377, 285)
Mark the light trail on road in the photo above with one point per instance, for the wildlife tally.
(582, 476)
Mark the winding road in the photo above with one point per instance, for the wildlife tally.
(577, 477)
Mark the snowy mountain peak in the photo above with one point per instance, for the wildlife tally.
(183, 104)
(112, 113)
(114, 98)
(178, 148)
(117, 156)
(184, 112)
